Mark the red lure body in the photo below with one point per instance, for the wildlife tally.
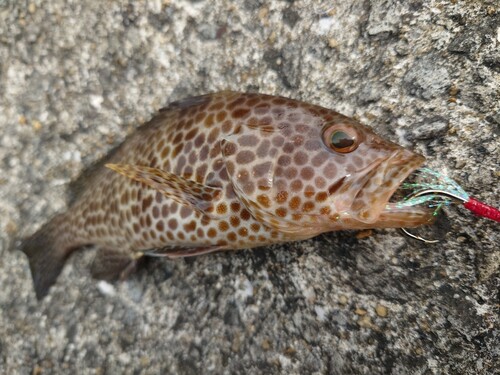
(482, 209)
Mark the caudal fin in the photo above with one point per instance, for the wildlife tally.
(46, 257)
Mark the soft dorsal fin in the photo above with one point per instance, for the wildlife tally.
(174, 109)
(186, 192)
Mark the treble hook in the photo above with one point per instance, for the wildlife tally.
(426, 192)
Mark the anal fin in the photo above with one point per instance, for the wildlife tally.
(182, 252)
(111, 264)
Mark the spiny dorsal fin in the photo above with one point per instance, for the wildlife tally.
(186, 192)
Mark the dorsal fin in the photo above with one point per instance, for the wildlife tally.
(78, 186)
(88, 175)
(186, 192)
(192, 101)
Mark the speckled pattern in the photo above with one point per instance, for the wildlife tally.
(232, 171)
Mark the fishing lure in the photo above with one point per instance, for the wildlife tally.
(440, 191)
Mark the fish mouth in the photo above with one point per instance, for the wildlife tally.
(373, 199)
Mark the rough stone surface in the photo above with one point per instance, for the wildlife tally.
(77, 76)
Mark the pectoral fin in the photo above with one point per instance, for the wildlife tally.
(183, 191)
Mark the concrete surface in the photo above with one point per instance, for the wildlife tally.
(77, 76)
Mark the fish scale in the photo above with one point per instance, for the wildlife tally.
(226, 171)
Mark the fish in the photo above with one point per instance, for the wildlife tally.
(226, 171)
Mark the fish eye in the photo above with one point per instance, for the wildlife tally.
(341, 140)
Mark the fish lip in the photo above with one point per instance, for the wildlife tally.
(404, 216)
(397, 167)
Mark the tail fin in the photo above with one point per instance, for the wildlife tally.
(46, 257)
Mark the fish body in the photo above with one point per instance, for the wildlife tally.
(226, 171)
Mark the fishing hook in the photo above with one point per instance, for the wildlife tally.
(426, 192)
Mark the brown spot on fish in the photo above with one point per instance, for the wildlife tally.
(165, 152)
(264, 200)
(199, 117)
(307, 173)
(294, 203)
(191, 226)
(227, 126)
(290, 173)
(221, 208)
(308, 206)
(124, 198)
(212, 233)
(240, 113)
(216, 106)
(281, 211)
(284, 160)
(330, 171)
(136, 227)
(235, 206)
(325, 210)
(146, 202)
(321, 196)
(189, 135)
(185, 212)
(281, 197)
(308, 193)
(235, 103)
(235, 221)
(221, 116)
(245, 157)
(172, 224)
(177, 150)
(255, 227)
(296, 185)
(263, 148)
(160, 226)
(245, 215)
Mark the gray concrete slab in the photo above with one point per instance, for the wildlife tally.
(77, 76)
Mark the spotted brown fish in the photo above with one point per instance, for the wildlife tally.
(226, 171)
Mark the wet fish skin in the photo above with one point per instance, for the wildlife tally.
(226, 171)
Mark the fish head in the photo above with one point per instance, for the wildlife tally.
(307, 171)
(363, 171)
